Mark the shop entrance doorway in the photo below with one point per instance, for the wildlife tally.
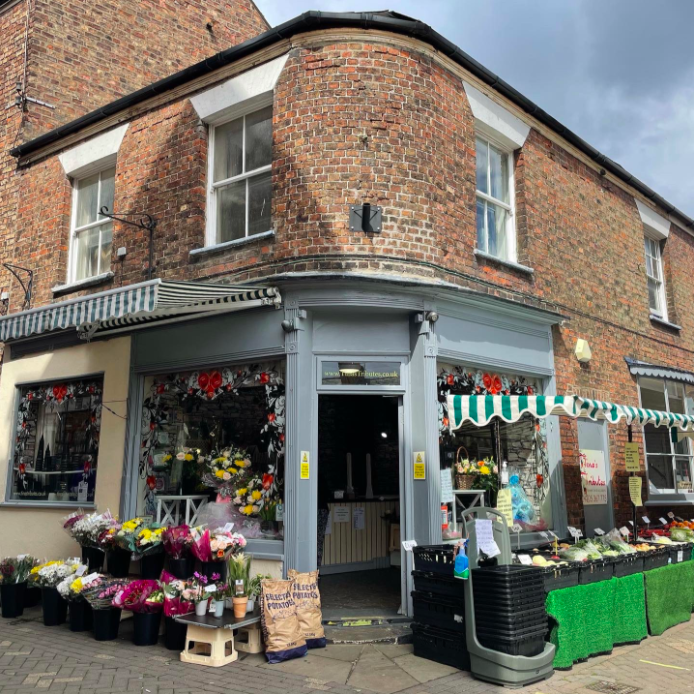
(359, 509)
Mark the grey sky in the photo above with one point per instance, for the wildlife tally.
(619, 73)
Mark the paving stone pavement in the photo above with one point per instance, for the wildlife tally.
(34, 658)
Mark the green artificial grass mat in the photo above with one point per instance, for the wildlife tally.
(669, 596)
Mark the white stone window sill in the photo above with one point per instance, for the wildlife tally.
(47, 504)
(664, 323)
(83, 284)
(229, 245)
(481, 255)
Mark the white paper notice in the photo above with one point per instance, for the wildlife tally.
(525, 559)
(359, 518)
(409, 544)
(485, 538)
(446, 486)
(341, 514)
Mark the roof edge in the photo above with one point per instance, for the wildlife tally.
(314, 20)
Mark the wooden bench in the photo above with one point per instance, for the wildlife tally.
(216, 641)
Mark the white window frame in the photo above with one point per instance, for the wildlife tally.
(74, 230)
(213, 186)
(673, 456)
(662, 293)
(510, 206)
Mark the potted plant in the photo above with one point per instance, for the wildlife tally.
(238, 576)
(176, 603)
(177, 542)
(218, 595)
(14, 574)
(198, 591)
(47, 576)
(105, 617)
(145, 599)
(254, 586)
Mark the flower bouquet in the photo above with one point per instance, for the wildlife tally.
(106, 618)
(214, 548)
(186, 466)
(87, 530)
(72, 590)
(47, 576)
(487, 479)
(177, 541)
(149, 547)
(14, 573)
(174, 605)
(255, 492)
(222, 469)
(145, 599)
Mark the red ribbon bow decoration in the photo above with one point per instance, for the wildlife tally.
(59, 392)
(152, 482)
(203, 381)
(487, 382)
(264, 378)
(268, 480)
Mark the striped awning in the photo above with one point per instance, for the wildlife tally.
(137, 305)
(481, 409)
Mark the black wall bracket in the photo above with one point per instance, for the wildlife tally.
(366, 217)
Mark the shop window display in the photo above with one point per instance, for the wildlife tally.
(57, 442)
(217, 432)
(471, 450)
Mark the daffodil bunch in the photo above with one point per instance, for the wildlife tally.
(128, 536)
(50, 574)
(224, 467)
(149, 540)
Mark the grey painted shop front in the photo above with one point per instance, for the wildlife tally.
(409, 331)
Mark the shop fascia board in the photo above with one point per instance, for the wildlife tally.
(361, 293)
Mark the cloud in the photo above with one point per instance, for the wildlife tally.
(619, 72)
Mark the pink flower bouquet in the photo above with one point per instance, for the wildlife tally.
(144, 596)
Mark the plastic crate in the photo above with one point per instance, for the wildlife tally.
(509, 575)
(441, 646)
(510, 621)
(594, 571)
(528, 644)
(430, 582)
(438, 559)
(679, 553)
(628, 565)
(656, 558)
(439, 611)
(556, 577)
(522, 605)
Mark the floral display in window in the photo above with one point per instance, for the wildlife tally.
(57, 442)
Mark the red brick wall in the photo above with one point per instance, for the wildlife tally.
(368, 122)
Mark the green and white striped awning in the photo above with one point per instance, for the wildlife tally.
(127, 308)
(481, 409)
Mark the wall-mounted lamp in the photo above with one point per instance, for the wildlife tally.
(582, 351)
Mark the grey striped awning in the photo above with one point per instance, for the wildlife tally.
(126, 308)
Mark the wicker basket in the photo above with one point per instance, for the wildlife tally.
(463, 481)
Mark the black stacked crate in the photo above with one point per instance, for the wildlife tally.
(510, 613)
(438, 632)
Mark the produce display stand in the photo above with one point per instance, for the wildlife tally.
(216, 641)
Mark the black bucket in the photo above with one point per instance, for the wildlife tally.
(12, 597)
(118, 562)
(94, 558)
(106, 623)
(32, 597)
(175, 637)
(151, 565)
(214, 567)
(54, 607)
(181, 568)
(146, 628)
(80, 615)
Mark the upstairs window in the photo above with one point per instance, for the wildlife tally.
(240, 177)
(92, 233)
(495, 226)
(657, 300)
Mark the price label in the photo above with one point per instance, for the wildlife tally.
(624, 530)
(525, 559)
(680, 556)
(646, 520)
(547, 536)
(576, 533)
(663, 521)
(631, 523)
(599, 531)
(409, 544)
(517, 528)
(91, 577)
(671, 515)
(81, 571)
(279, 513)
(228, 527)
(553, 535)
(210, 589)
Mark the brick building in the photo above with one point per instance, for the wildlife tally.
(345, 206)
(61, 60)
